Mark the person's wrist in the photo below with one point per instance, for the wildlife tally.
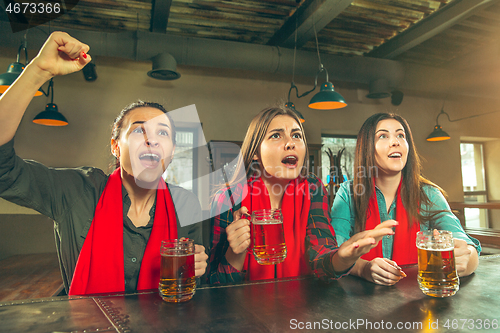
(36, 74)
(366, 271)
(341, 264)
(234, 259)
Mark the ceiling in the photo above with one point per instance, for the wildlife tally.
(441, 34)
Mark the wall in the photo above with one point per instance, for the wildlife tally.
(492, 164)
(23, 234)
(226, 101)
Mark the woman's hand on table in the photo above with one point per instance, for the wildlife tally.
(466, 258)
(200, 260)
(359, 244)
(382, 271)
(238, 236)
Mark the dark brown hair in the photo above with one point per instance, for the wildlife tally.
(255, 135)
(118, 123)
(412, 193)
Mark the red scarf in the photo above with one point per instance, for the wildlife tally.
(295, 209)
(100, 266)
(404, 249)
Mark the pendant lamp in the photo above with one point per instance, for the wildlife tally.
(14, 70)
(327, 98)
(51, 115)
(291, 106)
(438, 134)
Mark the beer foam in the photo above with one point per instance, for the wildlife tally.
(267, 222)
(430, 248)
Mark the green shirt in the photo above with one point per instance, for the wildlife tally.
(69, 197)
(343, 216)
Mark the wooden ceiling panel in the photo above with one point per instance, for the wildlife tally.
(242, 21)
(363, 28)
(250, 8)
(194, 14)
(444, 48)
(354, 25)
(369, 23)
(107, 15)
(474, 33)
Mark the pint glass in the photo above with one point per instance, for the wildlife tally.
(268, 238)
(177, 279)
(437, 274)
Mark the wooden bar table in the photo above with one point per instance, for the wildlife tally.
(285, 305)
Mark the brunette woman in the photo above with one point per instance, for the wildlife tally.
(108, 227)
(273, 159)
(388, 186)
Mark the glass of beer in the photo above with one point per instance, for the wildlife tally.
(437, 274)
(268, 238)
(177, 279)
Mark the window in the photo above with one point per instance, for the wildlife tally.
(336, 143)
(182, 171)
(474, 184)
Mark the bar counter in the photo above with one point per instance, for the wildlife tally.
(285, 305)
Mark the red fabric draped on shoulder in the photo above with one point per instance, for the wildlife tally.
(404, 250)
(100, 266)
(295, 208)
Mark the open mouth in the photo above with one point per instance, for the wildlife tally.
(290, 160)
(395, 155)
(150, 160)
(149, 157)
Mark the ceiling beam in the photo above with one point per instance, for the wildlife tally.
(213, 53)
(159, 15)
(311, 13)
(429, 27)
(481, 59)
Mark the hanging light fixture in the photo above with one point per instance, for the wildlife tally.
(327, 98)
(51, 115)
(164, 68)
(438, 134)
(14, 70)
(291, 106)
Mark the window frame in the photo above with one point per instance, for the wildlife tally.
(478, 193)
(194, 174)
(337, 136)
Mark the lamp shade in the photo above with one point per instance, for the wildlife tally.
(438, 134)
(50, 117)
(6, 79)
(291, 106)
(164, 67)
(327, 99)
